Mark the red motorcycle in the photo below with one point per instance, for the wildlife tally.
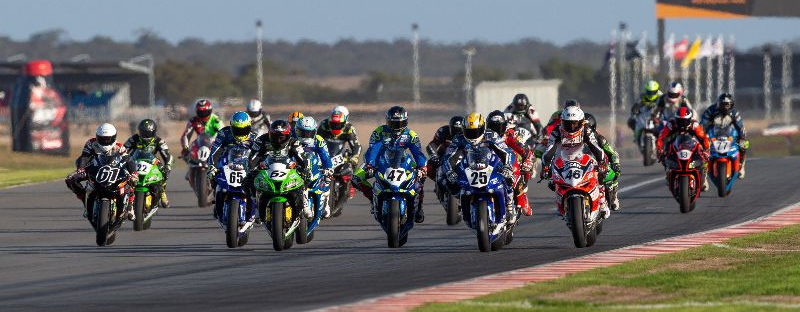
(684, 162)
(579, 195)
(198, 164)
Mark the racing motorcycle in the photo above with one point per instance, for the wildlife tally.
(483, 197)
(684, 164)
(394, 195)
(724, 158)
(447, 197)
(198, 164)
(108, 196)
(579, 195)
(147, 193)
(231, 207)
(647, 127)
(342, 174)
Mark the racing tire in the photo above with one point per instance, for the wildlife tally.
(722, 178)
(684, 199)
(103, 222)
(201, 185)
(138, 210)
(232, 233)
(484, 244)
(243, 240)
(649, 154)
(453, 216)
(301, 234)
(591, 237)
(393, 224)
(278, 241)
(575, 214)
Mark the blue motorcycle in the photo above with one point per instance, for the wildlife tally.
(317, 191)
(231, 202)
(394, 194)
(724, 157)
(483, 198)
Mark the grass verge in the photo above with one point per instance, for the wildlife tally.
(21, 168)
(759, 272)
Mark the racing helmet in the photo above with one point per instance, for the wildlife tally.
(147, 130)
(675, 92)
(306, 128)
(725, 102)
(254, 108)
(651, 91)
(474, 127)
(106, 136)
(496, 122)
(591, 122)
(456, 125)
(397, 119)
(279, 133)
(203, 109)
(684, 118)
(338, 120)
(241, 126)
(511, 120)
(294, 117)
(572, 119)
(520, 102)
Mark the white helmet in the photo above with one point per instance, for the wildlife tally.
(572, 119)
(254, 107)
(106, 136)
(675, 92)
(306, 128)
(341, 109)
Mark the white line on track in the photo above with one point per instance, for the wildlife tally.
(640, 184)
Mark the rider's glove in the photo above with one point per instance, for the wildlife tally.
(452, 176)
(369, 171)
(744, 144)
(545, 174)
(508, 174)
(212, 172)
(354, 161)
(327, 174)
(616, 167)
(133, 178)
(434, 161)
(422, 172)
(184, 153)
(527, 165)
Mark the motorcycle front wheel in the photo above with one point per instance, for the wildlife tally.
(393, 224)
(484, 244)
(103, 222)
(575, 214)
(232, 233)
(684, 198)
(722, 178)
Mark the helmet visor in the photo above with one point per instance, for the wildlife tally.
(254, 114)
(571, 125)
(673, 95)
(306, 134)
(395, 124)
(651, 95)
(475, 133)
(683, 123)
(106, 140)
(203, 113)
(147, 134)
(240, 131)
(278, 138)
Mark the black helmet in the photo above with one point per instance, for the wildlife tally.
(725, 102)
(397, 118)
(520, 102)
(147, 129)
(279, 133)
(496, 121)
(456, 125)
(590, 121)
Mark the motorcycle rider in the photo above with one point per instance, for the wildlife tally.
(668, 104)
(684, 122)
(279, 140)
(294, 117)
(104, 143)
(553, 123)
(725, 107)
(239, 133)
(523, 157)
(528, 116)
(339, 129)
(573, 131)
(308, 138)
(649, 98)
(441, 140)
(260, 118)
(204, 122)
(613, 158)
(394, 133)
(147, 140)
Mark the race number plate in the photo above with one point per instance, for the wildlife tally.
(573, 174)
(478, 178)
(684, 154)
(143, 167)
(395, 176)
(234, 177)
(337, 160)
(722, 146)
(278, 171)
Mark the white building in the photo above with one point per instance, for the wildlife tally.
(543, 94)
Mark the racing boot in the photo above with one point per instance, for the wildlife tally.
(164, 200)
(705, 178)
(307, 207)
(611, 194)
(419, 217)
(524, 205)
(352, 191)
(511, 211)
(604, 210)
(326, 205)
(741, 171)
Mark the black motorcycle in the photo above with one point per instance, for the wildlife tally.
(108, 195)
(342, 174)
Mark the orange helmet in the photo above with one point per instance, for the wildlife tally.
(294, 117)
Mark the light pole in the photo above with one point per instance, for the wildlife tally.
(469, 52)
(415, 29)
(259, 68)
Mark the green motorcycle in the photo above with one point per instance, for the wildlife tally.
(275, 185)
(147, 193)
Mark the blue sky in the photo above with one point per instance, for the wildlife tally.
(558, 21)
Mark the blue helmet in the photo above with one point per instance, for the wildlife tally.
(241, 126)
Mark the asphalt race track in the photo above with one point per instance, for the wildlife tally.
(49, 261)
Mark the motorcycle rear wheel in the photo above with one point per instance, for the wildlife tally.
(649, 153)
(575, 215)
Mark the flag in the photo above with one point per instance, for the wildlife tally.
(719, 47)
(707, 48)
(692, 54)
(681, 48)
(669, 47)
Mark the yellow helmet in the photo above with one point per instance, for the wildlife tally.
(474, 126)
(294, 117)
